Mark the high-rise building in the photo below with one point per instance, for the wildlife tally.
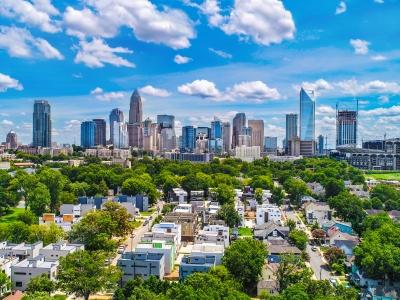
(166, 128)
(346, 128)
(188, 139)
(166, 121)
(116, 116)
(320, 145)
(41, 124)
(226, 137)
(205, 132)
(257, 133)
(291, 129)
(11, 140)
(135, 135)
(271, 144)
(150, 134)
(100, 136)
(216, 128)
(88, 134)
(307, 123)
(239, 121)
(135, 110)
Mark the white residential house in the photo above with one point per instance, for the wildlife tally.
(53, 252)
(5, 267)
(21, 251)
(217, 234)
(159, 246)
(240, 210)
(24, 271)
(168, 232)
(209, 249)
(183, 208)
(268, 213)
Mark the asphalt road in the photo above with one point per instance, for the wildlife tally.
(317, 262)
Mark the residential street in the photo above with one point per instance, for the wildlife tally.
(317, 262)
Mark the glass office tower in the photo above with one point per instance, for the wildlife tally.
(88, 134)
(307, 116)
(188, 139)
(41, 124)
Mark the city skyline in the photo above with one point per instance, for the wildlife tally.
(213, 65)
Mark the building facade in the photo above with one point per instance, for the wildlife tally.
(226, 137)
(100, 136)
(291, 129)
(11, 140)
(239, 121)
(116, 117)
(88, 134)
(346, 128)
(41, 124)
(257, 133)
(307, 123)
(188, 139)
(135, 109)
(271, 144)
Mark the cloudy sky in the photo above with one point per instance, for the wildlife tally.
(198, 59)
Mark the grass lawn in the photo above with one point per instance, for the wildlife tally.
(383, 176)
(60, 297)
(245, 231)
(11, 216)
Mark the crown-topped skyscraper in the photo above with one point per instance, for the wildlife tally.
(135, 110)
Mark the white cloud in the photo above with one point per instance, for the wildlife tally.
(251, 90)
(317, 86)
(152, 91)
(379, 1)
(107, 96)
(264, 22)
(379, 57)
(201, 88)
(36, 13)
(96, 53)
(325, 110)
(390, 111)
(180, 60)
(19, 42)
(220, 53)
(360, 46)
(353, 87)
(384, 99)
(213, 12)
(72, 125)
(256, 90)
(103, 18)
(342, 7)
(7, 82)
(7, 123)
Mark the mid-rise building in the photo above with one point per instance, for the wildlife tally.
(135, 135)
(11, 140)
(248, 154)
(346, 128)
(271, 144)
(41, 124)
(257, 133)
(307, 123)
(88, 134)
(100, 136)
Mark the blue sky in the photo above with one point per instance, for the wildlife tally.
(198, 59)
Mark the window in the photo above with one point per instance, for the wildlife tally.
(19, 273)
(18, 284)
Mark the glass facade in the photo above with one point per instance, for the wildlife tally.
(188, 139)
(307, 116)
(88, 134)
(346, 128)
(41, 124)
(291, 128)
(116, 116)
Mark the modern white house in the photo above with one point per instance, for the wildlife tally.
(24, 271)
(5, 267)
(209, 249)
(217, 234)
(21, 251)
(162, 247)
(184, 208)
(171, 231)
(268, 213)
(53, 252)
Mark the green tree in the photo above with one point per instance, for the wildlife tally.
(244, 259)
(67, 198)
(41, 283)
(228, 213)
(55, 182)
(225, 194)
(333, 187)
(299, 238)
(83, 273)
(292, 270)
(258, 194)
(27, 217)
(121, 218)
(296, 188)
(140, 185)
(37, 296)
(334, 255)
(39, 199)
(291, 224)
(5, 282)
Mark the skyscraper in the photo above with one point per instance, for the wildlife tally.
(320, 146)
(307, 123)
(346, 128)
(11, 140)
(100, 136)
(257, 133)
(166, 127)
(291, 129)
(226, 137)
(88, 134)
(188, 139)
(135, 110)
(239, 121)
(41, 124)
(116, 116)
(216, 129)
(166, 121)
(271, 144)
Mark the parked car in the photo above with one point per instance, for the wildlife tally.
(121, 249)
(314, 248)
